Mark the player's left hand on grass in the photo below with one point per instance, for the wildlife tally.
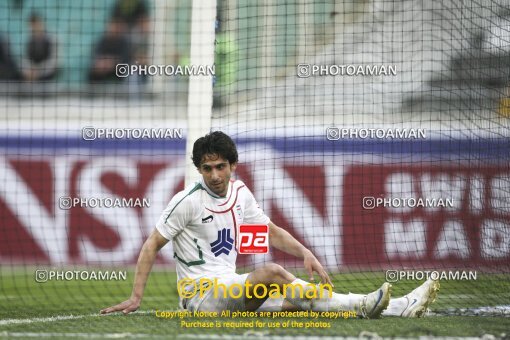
(313, 265)
(125, 307)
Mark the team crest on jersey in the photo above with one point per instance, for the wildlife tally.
(223, 244)
(239, 211)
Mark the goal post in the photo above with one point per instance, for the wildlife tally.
(203, 18)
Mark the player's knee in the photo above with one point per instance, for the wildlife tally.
(275, 270)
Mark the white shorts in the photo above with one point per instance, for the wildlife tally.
(208, 302)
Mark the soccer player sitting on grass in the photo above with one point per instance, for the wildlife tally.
(206, 214)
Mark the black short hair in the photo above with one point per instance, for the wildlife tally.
(214, 143)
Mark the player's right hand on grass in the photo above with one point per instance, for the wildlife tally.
(125, 307)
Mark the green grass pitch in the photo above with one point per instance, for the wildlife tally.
(71, 308)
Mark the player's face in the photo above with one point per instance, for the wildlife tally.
(216, 172)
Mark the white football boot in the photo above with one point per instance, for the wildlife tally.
(416, 303)
(373, 304)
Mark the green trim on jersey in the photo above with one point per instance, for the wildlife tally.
(192, 263)
(195, 188)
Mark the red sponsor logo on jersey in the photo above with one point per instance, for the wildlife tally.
(253, 239)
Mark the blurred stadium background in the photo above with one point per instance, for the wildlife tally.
(453, 75)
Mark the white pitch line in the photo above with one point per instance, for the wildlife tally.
(48, 319)
(58, 318)
(78, 335)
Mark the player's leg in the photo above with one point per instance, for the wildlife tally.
(414, 304)
(295, 291)
(268, 275)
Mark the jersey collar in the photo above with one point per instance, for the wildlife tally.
(211, 193)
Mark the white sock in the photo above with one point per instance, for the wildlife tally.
(338, 302)
(345, 302)
(396, 306)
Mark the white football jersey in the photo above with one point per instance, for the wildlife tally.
(203, 228)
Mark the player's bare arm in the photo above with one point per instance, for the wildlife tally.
(284, 241)
(143, 268)
(368, 306)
